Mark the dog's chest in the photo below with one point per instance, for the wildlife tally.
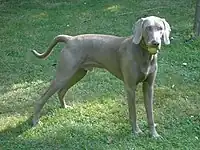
(147, 68)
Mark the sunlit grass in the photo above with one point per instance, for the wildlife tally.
(113, 8)
(98, 118)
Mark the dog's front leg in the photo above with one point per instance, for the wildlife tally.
(132, 109)
(148, 101)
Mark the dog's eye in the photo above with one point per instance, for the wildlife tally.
(149, 28)
(159, 28)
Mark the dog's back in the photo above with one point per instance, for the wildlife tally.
(93, 47)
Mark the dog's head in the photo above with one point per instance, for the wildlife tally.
(151, 30)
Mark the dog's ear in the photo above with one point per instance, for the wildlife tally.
(167, 31)
(137, 31)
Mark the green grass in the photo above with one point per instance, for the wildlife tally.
(99, 117)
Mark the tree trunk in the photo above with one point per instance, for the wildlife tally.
(197, 19)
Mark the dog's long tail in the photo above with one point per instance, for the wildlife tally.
(57, 39)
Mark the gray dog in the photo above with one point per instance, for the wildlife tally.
(131, 59)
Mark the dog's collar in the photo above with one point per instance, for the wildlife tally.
(143, 45)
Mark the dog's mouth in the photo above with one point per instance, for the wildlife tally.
(153, 46)
(150, 47)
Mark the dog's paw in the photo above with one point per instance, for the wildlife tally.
(66, 106)
(157, 136)
(138, 132)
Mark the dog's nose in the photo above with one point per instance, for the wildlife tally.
(155, 43)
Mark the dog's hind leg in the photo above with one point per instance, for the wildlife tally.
(64, 73)
(55, 86)
(73, 80)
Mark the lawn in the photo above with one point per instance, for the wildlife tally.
(98, 119)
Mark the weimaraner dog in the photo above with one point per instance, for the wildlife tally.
(131, 59)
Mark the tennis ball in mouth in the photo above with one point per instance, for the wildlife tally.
(152, 50)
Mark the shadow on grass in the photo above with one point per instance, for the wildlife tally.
(17, 130)
(81, 140)
(85, 136)
(80, 136)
